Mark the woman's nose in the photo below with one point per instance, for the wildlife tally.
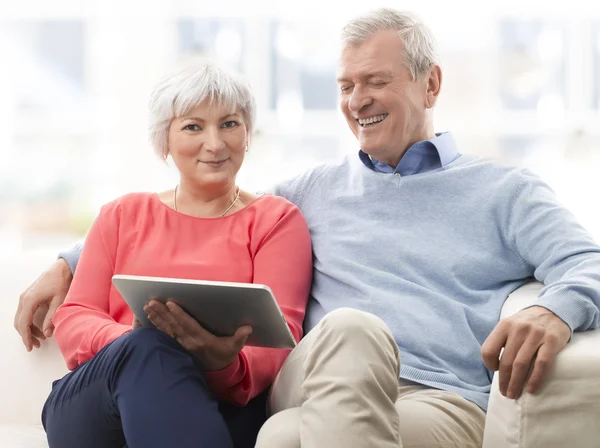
(213, 141)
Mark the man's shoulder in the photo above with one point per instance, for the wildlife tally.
(502, 181)
(305, 182)
(488, 169)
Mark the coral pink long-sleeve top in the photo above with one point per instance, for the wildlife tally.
(266, 242)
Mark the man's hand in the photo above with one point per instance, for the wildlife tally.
(531, 333)
(211, 352)
(47, 292)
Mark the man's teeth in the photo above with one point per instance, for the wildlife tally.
(371, 120)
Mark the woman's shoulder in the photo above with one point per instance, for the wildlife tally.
(276, 217)
(272, 212)
(274, 205)
(129, 203)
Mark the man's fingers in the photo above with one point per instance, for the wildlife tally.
(545, 357)
(37, 333)
(18, 314)
(27, 338)
(491, 348)
(48, 326)
(521, 366)
(514, 342)
(24, 326)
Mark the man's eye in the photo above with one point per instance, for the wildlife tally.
(230, 124)
(191, 127)
(345, 88)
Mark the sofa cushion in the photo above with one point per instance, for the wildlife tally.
(22, 436)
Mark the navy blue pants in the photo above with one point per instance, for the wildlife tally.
(144, 390)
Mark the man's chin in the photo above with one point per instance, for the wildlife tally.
(370, 147)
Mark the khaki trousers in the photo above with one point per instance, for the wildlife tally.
(339, 388)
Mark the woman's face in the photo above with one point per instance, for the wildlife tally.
(208, 144)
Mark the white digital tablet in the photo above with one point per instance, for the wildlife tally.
(220, 307)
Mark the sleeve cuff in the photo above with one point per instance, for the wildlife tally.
(71, 255)
(107, 334)
(569, 306)
(227, 377)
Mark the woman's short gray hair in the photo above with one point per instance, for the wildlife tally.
(419, 44)
(180, 93)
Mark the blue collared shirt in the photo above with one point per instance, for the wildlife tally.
(421, 157)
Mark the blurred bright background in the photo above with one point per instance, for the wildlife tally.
(521, 85)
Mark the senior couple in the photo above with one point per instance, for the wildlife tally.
(415, 247)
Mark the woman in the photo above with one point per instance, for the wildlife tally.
(178, 385)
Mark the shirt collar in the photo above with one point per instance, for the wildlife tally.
(421, 157)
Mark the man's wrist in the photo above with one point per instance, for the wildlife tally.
(67, 262)
(66, 271)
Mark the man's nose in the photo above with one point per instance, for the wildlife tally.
(359, 99)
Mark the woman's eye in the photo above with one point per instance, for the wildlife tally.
(230, 124)
(191, 127)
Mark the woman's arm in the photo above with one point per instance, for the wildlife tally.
(283, 262)
(83, 323)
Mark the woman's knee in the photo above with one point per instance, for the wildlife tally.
(145, 341)
(141, 337)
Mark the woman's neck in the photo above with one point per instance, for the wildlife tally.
(204, 202)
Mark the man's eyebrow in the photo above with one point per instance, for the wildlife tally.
(379, 74)
(382, 74)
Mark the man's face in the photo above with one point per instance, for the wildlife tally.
(385, 108)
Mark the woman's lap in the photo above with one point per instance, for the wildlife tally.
(144, 388)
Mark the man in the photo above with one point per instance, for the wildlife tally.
(416, 247)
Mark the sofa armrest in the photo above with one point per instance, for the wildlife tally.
(25, 378)
(565, 411)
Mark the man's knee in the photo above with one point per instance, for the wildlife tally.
(282, 430)
(347, 330)
(355, 323)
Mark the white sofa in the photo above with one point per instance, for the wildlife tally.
(566, 411)
(565, 414)
(25, 378)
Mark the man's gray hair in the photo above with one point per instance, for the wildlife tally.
(419, 44)
(182, 92)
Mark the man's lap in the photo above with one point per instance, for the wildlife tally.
(428, 417)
